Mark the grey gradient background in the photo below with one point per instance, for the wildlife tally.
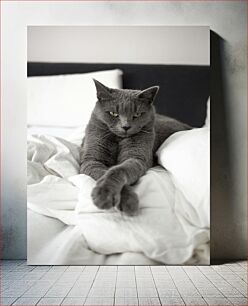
(228, 107)
(120, 44)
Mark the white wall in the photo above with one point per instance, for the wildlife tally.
(226, 18)
(140, 44)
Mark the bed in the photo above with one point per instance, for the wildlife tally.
(64, 227)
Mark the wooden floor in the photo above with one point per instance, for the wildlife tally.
(123, 285)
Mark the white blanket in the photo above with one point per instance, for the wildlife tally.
(161, 231)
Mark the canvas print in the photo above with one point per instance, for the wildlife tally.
(118, 125)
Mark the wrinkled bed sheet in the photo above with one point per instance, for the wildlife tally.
(64, 226)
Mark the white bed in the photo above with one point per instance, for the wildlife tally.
(64, 226)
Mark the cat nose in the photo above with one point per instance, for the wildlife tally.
(126, 127)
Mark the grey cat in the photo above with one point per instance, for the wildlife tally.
(121, 139)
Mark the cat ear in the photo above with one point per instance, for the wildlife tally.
(102, 91)
(149, 94)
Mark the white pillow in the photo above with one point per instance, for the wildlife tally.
(66, 100)
(186, 155)
(62, 132)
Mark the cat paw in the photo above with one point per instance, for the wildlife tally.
(129, 203)
(104, 196)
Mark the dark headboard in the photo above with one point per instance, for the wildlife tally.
(183, 94)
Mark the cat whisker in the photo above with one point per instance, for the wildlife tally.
(145, 131)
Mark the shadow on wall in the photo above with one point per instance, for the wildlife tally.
(222, 213)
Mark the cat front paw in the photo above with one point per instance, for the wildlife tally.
(129, 203)
(104, 196)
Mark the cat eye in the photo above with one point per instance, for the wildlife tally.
(114, 114)
(137, 115)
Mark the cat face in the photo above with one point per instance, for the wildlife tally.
(125, 111)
